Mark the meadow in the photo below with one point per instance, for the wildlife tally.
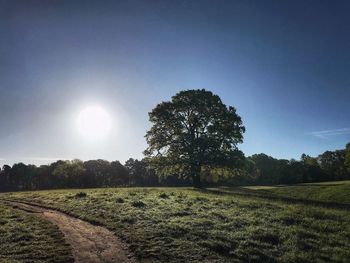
(189, 225)
(331, 192)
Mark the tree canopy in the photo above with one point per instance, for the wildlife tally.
(193, 130)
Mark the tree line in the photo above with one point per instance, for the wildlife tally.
(72, 174)
(193, 141)
(258, 169)
(328, 166)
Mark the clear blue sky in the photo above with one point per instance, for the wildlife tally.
(285, 66)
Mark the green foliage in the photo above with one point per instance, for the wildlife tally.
(140, 172)
(328, 166)
(258, 169)
(347, 157)
(192, 130)
(196, 226)
(63, 174)
(333, 163)
(69, 172)
(27, 238)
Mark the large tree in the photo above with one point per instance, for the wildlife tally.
(193, 130)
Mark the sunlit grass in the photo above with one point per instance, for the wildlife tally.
(336, 192)
(185, 225)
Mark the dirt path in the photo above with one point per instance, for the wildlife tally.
(90, 244)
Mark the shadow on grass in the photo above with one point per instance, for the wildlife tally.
(240, 191)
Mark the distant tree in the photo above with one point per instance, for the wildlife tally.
(333, 164)
(97, 173)
(136, 171)
(312, 171)
(18, 176)
(193, 130)
(252, 172)
(31, 177)
(5, 178)
(292, 172)
(308, 160)
(70, 173)
(2, 180)
(347, 158)
(44, 179)
(267, 169)
(119, 174)
(140, 173)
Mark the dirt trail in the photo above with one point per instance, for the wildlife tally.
(90, 244)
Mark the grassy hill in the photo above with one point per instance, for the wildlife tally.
(186, 225)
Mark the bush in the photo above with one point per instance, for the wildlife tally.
(138, 204)
(119, 200)
(81, 195)
(163, 195)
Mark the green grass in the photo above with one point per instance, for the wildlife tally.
(335, 192)
(185, 225)
(26, 238)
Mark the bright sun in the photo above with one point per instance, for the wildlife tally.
(94, 123)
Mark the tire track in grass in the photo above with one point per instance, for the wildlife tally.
(89, 243)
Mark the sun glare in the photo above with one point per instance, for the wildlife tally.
(94, 123)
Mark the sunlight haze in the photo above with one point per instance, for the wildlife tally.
(282, 67)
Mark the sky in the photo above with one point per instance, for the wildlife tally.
(284, 65)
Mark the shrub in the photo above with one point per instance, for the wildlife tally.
(80, 195)
(163, 195)
(119, 200)
(128, 220)
(138, 204)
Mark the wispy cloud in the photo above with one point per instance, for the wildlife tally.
(327, 133)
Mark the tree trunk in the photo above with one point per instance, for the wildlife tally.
(196, 175)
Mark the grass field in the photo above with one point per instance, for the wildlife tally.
(186, 225)
(335, 192)
(25, 238)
